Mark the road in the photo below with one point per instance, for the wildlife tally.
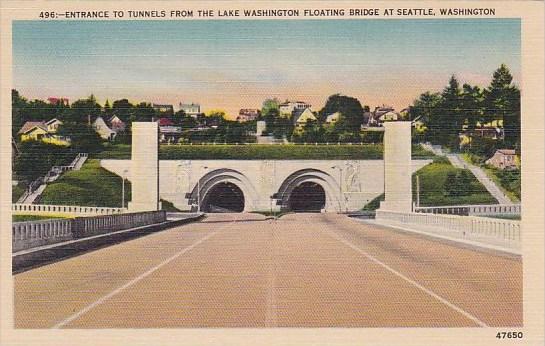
(302, 270)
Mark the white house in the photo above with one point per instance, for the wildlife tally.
(53, 125)
(191, 109)
(104, 131)
(301, 119)
(287, 108)
(333, 118)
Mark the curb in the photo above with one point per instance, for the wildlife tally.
(24, 260)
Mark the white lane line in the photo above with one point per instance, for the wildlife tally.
(271, 314)
(412, 282)
(135, 280)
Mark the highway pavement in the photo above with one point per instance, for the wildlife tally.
(302, 270)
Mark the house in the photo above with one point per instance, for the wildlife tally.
(33, 130)
(53, 125)
(103, 130)
(165, 122)
(487, 132)
(331, 119)
(169, 133)
(503, 159)
(191, 109)
(160, 108)
(380, 115)
(287, 108)
(300, 119)
(117, 124)
(248, 114)
(37, 131)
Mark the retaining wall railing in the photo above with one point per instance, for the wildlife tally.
(41, 209)
(30, 234)
(477, 209)
(507, 230)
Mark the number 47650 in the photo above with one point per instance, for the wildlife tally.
(509, 335)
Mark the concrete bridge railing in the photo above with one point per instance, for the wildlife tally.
(468, 226)
(30, 234)
(472, 210)
(46, 209)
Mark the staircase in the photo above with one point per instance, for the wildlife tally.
(457, 161)
(38, 186)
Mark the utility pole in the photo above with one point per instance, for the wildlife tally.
(417, 191)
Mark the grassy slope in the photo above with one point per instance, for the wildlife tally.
(432, 187)
(16, 192)
(92, 185)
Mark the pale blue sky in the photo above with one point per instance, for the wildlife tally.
(236, 64)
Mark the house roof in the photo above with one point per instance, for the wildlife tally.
(165, 122)
(306, 111)
(116, 119)
(506, 151)
(52, 121)
(29, 125)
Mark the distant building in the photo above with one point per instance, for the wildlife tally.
(503, 159)
(103, 130)
(165, 122)
(248, 114)
(163, 108)
(303, 117)
(191, 109)
(287, 108)
(487, 132)
(33, 130)
(117, 124)
(53, 125)
(261, 126)
(38, 131)
(333, 118)
(380, 115)
(57, 100)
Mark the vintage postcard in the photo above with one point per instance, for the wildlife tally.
(272, 173)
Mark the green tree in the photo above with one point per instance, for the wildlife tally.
(502, 101)
(107, 108)
(349, 107)
(451, 186)
(425, 107)
(18, 118)
(123, 109)
(446, 123)
(268, 105)
(83, 137)
(472, 107)
(84, 111)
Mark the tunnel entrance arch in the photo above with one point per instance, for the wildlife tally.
(309, 190)
(307, 197)
(223, 197)
(223, 190)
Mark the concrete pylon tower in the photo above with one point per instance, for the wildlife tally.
(397, 167)
(145, 167)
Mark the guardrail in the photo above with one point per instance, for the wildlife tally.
(472, 210)
(30, 234)
(508, 230)
(44, 209)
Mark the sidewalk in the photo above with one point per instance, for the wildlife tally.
(481, 241)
